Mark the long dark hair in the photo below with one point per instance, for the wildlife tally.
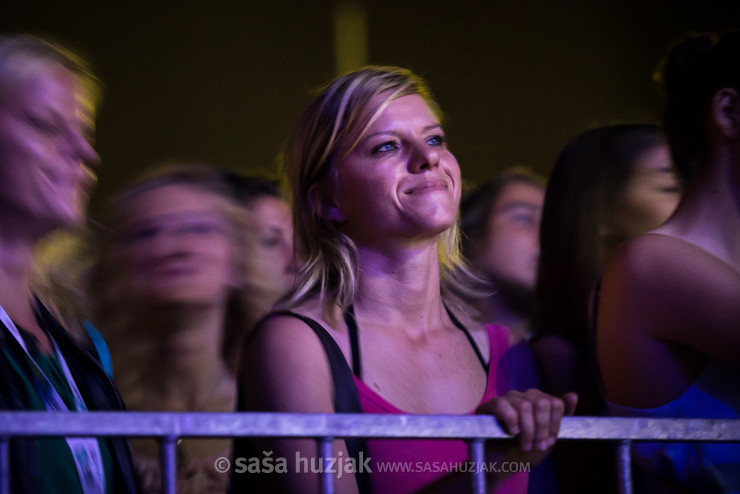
(583, 191)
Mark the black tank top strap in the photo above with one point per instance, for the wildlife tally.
(349, 319)
(460, 326)
(345, 391)
(346, 396)
(351, 322)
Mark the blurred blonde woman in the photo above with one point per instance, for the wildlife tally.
(46, 109)
(170, 269)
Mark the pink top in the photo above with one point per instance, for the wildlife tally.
(420, 462)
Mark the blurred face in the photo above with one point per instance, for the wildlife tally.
(176, 247)
(651, 195)
(270, 264)
(400, 181)
(511, 248)
(44, 153)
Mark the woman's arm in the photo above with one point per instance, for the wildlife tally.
(285, 369)
(665, 308)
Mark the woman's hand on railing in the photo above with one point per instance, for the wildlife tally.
(534, 417)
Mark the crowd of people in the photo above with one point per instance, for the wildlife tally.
(375, 282)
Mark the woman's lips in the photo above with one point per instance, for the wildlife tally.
(427, 185)
(170, 269)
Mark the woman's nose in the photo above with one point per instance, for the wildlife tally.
(423, 156)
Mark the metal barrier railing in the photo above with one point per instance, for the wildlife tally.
(169, 427)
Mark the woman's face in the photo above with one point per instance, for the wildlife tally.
(511, 247)
(650, 196)
(400, 181)
(176, 247)
(44, 152)
(271, 266)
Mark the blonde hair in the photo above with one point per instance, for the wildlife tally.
(327, 131)
(22, 54)
(61, 258)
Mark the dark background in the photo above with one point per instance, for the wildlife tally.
(222, 81)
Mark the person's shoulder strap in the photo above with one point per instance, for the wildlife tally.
(472, 342)
(346, 397)
(101, 348)
(354, 342)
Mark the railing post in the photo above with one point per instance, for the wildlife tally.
(168, 460)
(4, 465)
(326, 481)
(624, 465)
(477, 455)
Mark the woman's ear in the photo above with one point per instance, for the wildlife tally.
(322, 206)
(726, 112)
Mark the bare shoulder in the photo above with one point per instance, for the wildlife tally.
(663, 288)
(654, 255)
(285, 368)
(668, 269)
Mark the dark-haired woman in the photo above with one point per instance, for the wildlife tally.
(668, 343)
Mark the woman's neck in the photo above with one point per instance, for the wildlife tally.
(402, 290)
(709, 214)
(16, 259)
(180, 367)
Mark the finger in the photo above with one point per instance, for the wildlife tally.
(542, 414)
(526, 424)
(556, 414)
(505, 413)
(571, 401)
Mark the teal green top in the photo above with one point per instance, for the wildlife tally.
(55, 464)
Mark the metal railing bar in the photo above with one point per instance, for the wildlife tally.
(326, 479)
(209, 425)
(4, 465)
(624, 464)
(170, 426)
(168, 462)
(476, 454)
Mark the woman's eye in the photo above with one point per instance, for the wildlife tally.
(43, 125)
(271, 241)
(385, 147)
(671, 189)
(140, 234)
(199, 229)
(523, 219)
(438, 140)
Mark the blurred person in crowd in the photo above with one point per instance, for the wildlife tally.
(500, 222)
(269, 255)
(167, 285)
(377, 323)
(608, 184)
(47, 102)
(667, 339)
